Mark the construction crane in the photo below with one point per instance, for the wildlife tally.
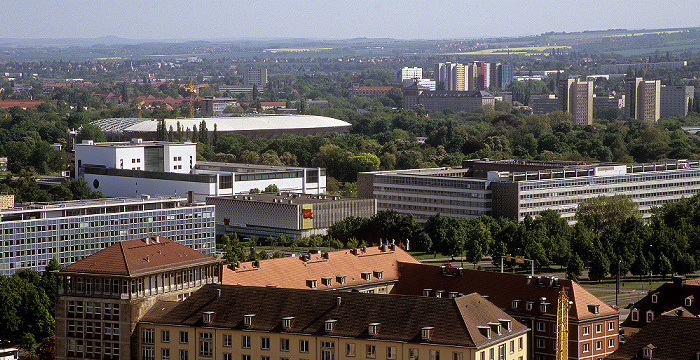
(563, 325)
(140, 106)
(191, 89)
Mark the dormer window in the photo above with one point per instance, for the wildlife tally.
(543, 307)
(330, 325)
(311, 283)
(495, 327)
(594, 308)
(287, 322)
(426, 332)
(439, 293)
(207, 317)
(426, 292)
(366, 276)
(453, 294)
(635, 315)
(378, 274)
(654, 298)
(506, 324)
(340, 279)
(514, 304)
(650, 316)
(373, 329)
(485, 330)
(248, 320)
(689, 301)
(528, 305)
(326, 281)
(647, 350)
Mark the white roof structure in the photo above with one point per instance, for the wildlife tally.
(244, 124)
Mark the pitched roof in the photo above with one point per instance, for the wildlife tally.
(401, 318)
(138, 257)
(669, 296)
(501, 288)
(670, 337)
(293, 272)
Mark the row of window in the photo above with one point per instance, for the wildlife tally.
(586, 347)
(585, 330)
(76, 308)
(92, 328)
(93, 347)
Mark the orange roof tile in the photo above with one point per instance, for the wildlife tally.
(502, 289)
(138, 257)
(292, 272)
(8, 103)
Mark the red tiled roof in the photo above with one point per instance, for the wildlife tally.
(401, 318)
(139, 256)
(292, 272)
(8, 103)
(669, 296)
(501, 288)
(670, 337)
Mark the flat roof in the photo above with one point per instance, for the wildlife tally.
(136, 144)
(70, 204)
(241, 168)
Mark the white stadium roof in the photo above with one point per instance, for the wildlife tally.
(225, 124)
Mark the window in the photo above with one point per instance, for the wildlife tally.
(184, 355)
(265, 343)
(456, 356)
(611, 343)
(635, 315)
(502, 352)
(263, 357)
(304, 346)
(586, 348)
(434, 355)
(611, 326)
(226, 341)
(245, 357)
(598, 345)
(541, 344)
(205, 340)
(371, 352)
(482, 356)
(391, 352)
(511, 347)
(541, 326)
(598, 328)
(146, 336)
(165, 354)
(586, 330)
(165, 336)
(650, 316)
(329, 325)
(413, 354)
(327, 350)
(654, 298)
(491, 354)
(148, 353)
(350, 349)
(227, 356)
(520, 343)
(184, 337)
(284, 344)
(245, 342)
(426, 332)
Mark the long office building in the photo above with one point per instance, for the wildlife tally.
(675, 100)
(33, 234)
(516, 189)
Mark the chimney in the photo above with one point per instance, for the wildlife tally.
(338, 301)
(190, 197)
(218, 293)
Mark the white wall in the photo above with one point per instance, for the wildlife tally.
(115, 186)
(184, 152)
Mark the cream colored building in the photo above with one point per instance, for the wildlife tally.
(643, 99)
(576, 97)
(263, 323)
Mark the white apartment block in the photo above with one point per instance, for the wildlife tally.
(409, 73)
(675, 100)
(32, 234)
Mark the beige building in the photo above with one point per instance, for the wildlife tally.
(251, 323)
(291, 214)
(643, 99)
(104, 295)
(675, 100)
(436, 101)
(576, 98)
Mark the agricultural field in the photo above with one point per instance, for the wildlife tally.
(296, 50)
(528, 50)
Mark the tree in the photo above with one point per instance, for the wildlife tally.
(272, 188)
(640, 266)
(574, 268)
(90, 132)
(203, 133)
(662, 266)
(254, 191)
(600, 266)
(600, 211)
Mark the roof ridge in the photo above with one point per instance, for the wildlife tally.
(126, 264)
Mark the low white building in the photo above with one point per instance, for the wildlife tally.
(132, 169)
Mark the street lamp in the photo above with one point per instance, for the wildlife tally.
(617, 285)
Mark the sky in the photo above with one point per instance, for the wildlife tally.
(332, 19)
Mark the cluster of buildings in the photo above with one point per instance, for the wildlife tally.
(475, 76)
(643, 100)
(154, 298)
(519, 188)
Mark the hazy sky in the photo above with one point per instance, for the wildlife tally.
(329, 19)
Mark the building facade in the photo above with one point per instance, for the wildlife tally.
(436, 101)
(162, 168)
(593, 325)
(516, 189)
(256, 77)
(33, 234)
(544, 104)
(294, 215)
(675, 100)
(216, 106)
(102, 297)
(409, 73)
(576, 98)
(643, 99)
(230, 322)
